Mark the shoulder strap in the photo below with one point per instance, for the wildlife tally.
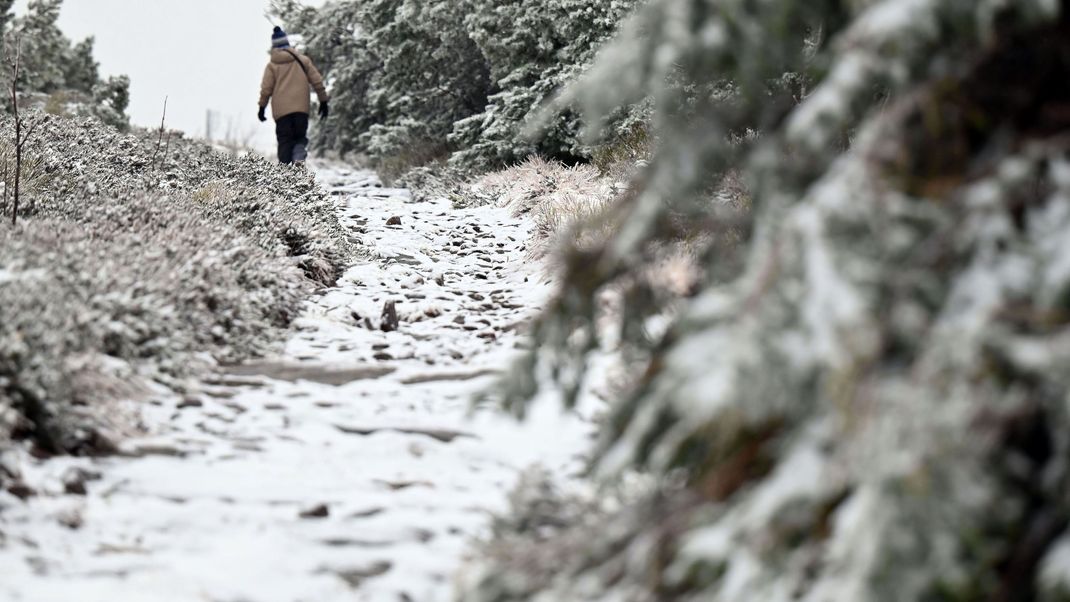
(299, 63)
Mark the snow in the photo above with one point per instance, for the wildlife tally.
(1055, 569)
(832, 308)
(208, 505)
(814, 122)
(865, 59)
(854, 547)
(800, 476)
(886, 20)
(7, 276)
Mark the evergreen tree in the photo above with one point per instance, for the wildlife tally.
(876, 407)
(81, 69)
(532, 49)
(403, 72)
(51, 64)
(5, 13)
(433, 76)
(111, 97)
(332, 37)
(45, 50)
(419, 81)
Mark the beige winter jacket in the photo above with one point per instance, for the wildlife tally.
(286, 85)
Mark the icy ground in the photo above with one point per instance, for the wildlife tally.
(348, 468)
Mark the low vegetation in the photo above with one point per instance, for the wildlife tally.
(124, 271)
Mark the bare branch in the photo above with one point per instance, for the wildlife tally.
(6, 186)
(166, 149)
(18, 126)
(33, 127)
(159, 140)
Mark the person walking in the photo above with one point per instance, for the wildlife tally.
(287, 79)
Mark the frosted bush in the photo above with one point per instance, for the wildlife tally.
(154, 267)
(559, 198)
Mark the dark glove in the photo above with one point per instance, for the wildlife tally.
(324, 110)
(261, 115)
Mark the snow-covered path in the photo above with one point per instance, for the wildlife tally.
(348, 468)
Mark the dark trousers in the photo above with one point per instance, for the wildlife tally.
(292, 133)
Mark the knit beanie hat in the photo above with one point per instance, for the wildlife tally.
(279, 39)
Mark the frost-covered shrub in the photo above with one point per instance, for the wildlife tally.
(89, 163)
(122, 264)
(875, 407)
(562, 201)
(109, 101)
(149, 281)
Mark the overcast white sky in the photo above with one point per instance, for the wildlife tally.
(202, 54)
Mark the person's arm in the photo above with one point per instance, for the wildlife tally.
(316, 81)
(267, 86)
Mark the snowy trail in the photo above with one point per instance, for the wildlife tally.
(347, 468)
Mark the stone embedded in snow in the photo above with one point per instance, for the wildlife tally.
(367, 513)
(438, 434)
(75, 479)
(317, 511)
(356, 576)
(350, 542)
(394, 221)
(389, 322)
(402, 485)
(190, 401)
(21, 490)
(71, 518)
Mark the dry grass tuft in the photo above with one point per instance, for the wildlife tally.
(568, 204)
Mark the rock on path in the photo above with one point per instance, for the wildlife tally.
(347, 468)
